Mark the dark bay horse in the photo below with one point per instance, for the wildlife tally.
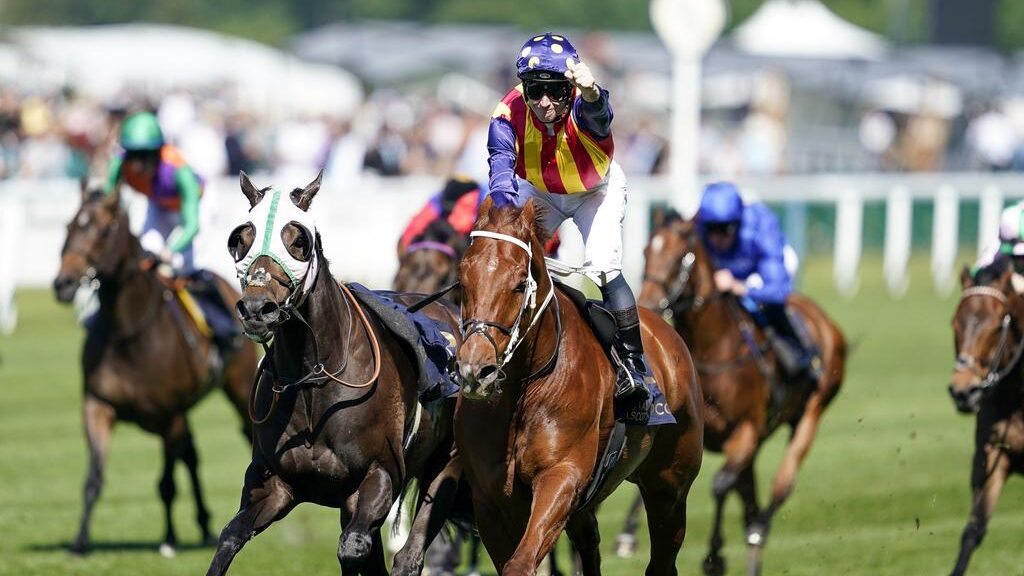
(987, 381)
(141, 361)
(431, 261)
(536, 408)
(738, 380)
(337, 420)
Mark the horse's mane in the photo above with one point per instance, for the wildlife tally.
(991, 273)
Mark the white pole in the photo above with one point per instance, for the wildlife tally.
(849, 230)
(945, 238)
(683, 159)
(988, 216)
(688, 28)
(898, 223)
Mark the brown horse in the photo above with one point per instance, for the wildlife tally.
(738, 380)
(142, 362)
(536, 409)
(431, 261)
(337, 420)
(989, 337)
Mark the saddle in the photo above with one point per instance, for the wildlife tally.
(430, 342)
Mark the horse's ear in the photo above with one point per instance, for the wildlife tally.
(1006, 279)
(303, 198)
(83, 186)
(966, 279)
(251, 192)
(483, 213)
(657, 218)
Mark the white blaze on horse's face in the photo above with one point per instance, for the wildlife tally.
(268, 219)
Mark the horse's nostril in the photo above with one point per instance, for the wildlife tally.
(487, 373)
(268, 309)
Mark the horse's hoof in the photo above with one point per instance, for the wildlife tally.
(625, 546)
(355, 547)
(714, 565)
(167, 551)
(79, 549)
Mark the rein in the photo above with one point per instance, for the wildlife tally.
(318, 375)
(431, 245)
(996, 374)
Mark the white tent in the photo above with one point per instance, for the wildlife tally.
(101, 60)
(805, 29)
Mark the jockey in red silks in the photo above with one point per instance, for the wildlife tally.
(550, 140)
(457, 203)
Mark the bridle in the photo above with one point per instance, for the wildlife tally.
(673, 300)
(994, 373)
(516, 335)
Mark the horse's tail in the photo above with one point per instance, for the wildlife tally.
(414, 488)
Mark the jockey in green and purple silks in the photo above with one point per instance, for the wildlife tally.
(159, 171)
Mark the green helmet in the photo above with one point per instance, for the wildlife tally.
(141, 131)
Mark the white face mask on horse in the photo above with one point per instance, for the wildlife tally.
(269, 216)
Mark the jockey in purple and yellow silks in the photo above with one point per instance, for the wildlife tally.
(550, 140)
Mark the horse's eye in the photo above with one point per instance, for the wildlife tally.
(520, 288)
(238, 247)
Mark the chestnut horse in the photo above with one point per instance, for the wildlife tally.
(738, 380)
(337, 420)
(987, 381)
(142, 362)
(536, 409)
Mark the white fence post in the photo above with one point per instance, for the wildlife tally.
(944, 238)
(899, 213)
(991, 204)
(849, 229)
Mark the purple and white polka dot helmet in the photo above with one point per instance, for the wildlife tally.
(546, 57)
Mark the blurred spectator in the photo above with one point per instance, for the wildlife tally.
(992, 140)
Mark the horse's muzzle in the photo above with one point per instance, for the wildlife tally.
(966, 398)
(479, 381)
(64, 288)
(259, 315)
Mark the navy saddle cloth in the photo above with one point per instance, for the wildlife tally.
(431, 342)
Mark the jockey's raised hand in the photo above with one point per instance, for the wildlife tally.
(582, 78)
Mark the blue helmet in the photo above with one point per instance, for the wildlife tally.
(721, 204)
(546, 57)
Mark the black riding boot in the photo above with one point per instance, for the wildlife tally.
(796, 352)
(633, 377)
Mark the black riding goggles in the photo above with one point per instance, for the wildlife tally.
(557, 90)
(721, 227)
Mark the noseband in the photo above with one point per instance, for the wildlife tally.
(994, 374)
(471, 326)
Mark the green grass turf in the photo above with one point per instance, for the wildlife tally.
(884, 490)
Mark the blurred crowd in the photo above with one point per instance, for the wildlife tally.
(417, 132)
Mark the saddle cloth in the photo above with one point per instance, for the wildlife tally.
(602, 323)
(430, 341)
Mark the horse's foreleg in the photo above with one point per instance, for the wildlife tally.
(739, 450)
(174, 448)
(586, 539)
(375, 496)
(554, 490)
(991, 467)
(99, 419)
(746, 486)
(191, 459)
(796, 451)
(435, 504)
(625, 542)
(265, 499)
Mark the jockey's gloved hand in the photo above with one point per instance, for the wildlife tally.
(581, 77)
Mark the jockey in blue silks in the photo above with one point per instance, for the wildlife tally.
(747, 248)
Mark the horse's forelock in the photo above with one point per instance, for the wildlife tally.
(512, 220)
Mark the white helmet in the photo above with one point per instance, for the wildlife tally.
(1011, 229)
